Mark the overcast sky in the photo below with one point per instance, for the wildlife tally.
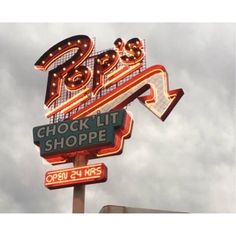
(186, 163)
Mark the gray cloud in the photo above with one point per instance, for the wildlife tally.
(186, 163)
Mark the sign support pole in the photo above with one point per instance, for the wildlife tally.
(79, 190)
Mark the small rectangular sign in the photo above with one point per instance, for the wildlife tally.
(69, 177)
(79, 134)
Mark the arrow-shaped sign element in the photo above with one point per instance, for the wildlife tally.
(160, 100)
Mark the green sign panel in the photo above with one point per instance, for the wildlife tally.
(80, 134)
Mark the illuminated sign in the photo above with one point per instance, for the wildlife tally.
(83, 82)
(89, 174)
(86, 92)
(100, 134)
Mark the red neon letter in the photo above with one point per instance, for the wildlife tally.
(75, 76)
(78, 78)
(103, 63)
(119, 44)
(134, 47)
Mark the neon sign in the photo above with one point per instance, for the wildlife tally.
(89, 174)
(87, 82)
(85, 99)
(101, 135)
